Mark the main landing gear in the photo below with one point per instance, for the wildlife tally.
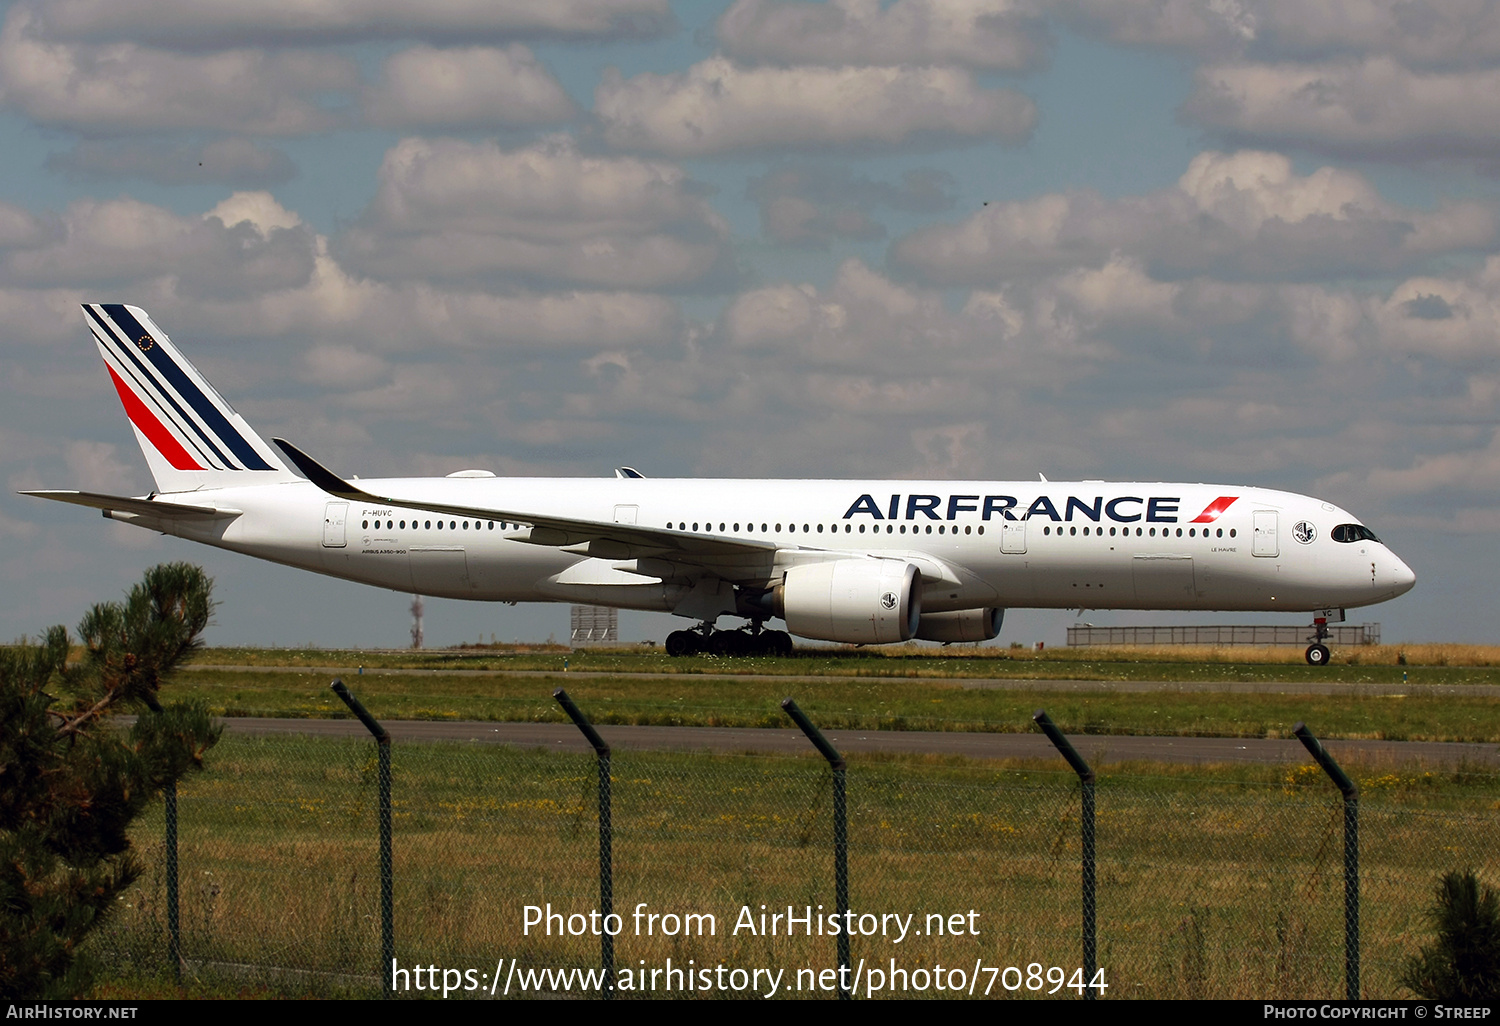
(752, 640)
(1317, 653)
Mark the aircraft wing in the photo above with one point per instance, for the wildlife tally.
(146, 506)
(600, 539)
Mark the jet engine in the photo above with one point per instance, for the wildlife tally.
(856, 601)
(961, 625)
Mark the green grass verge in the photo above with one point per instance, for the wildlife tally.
(1461, 665)
(1212, 882)
(869, 703)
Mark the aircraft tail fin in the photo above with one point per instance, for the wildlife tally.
(190, 436)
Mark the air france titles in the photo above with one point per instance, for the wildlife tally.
(1123, 509)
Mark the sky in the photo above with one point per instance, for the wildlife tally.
(1237, 241)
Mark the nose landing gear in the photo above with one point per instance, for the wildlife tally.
(1317, 653)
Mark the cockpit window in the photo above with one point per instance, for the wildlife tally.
(1352, 533)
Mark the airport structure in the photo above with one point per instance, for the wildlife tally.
(594, 625)
(1084, 635)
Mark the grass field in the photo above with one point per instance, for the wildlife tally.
(622, 688)
(1212, 883)
(1375, 663)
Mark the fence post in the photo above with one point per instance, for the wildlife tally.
(174, 919)
(1351, 855)
(387, 902)
(840, 833)
(606, 840)
(1086, 785)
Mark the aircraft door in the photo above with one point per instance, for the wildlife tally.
(334, 515)
(1163, 581)
(627, 514)
(1265, 542)
(1013, 536)
(440, 570)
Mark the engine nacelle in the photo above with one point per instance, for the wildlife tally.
(961, 625)
(856, 601)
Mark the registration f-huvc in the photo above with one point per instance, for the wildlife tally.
(861, 562)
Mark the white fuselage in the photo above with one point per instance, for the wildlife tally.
(1086, 545)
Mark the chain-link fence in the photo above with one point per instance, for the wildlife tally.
(964, 877)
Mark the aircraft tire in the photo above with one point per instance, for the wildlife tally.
(682, 643)
(780, 643)
(1317, 655)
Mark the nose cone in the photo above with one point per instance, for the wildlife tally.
(1405, 578)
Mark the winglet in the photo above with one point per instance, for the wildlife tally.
(319, 474)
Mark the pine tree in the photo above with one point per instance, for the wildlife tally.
(1464, 963)
(71, 781)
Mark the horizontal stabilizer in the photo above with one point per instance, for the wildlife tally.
(146, 507)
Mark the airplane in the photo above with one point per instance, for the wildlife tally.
(858, 562)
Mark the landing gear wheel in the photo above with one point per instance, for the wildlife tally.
(1317, 655)
(683, 643)
(727, 643)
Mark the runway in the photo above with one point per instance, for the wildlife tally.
(1100, 750)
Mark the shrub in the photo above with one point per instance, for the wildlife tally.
(1464, 963)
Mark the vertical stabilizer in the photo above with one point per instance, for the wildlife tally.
(191, 437)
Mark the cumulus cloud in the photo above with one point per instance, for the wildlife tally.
(1404, 80)
(238, 163)
(250, 269)
(1418, 33)
(20, 228)
(227, 23)
(809, 205)
(115, 242)
(1371, 107)
(454, 210)
(866, 322)
(993, 35)
(480, 86)
(111, 88)
(1450, 318)
(1244, 215)
(718, 107)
